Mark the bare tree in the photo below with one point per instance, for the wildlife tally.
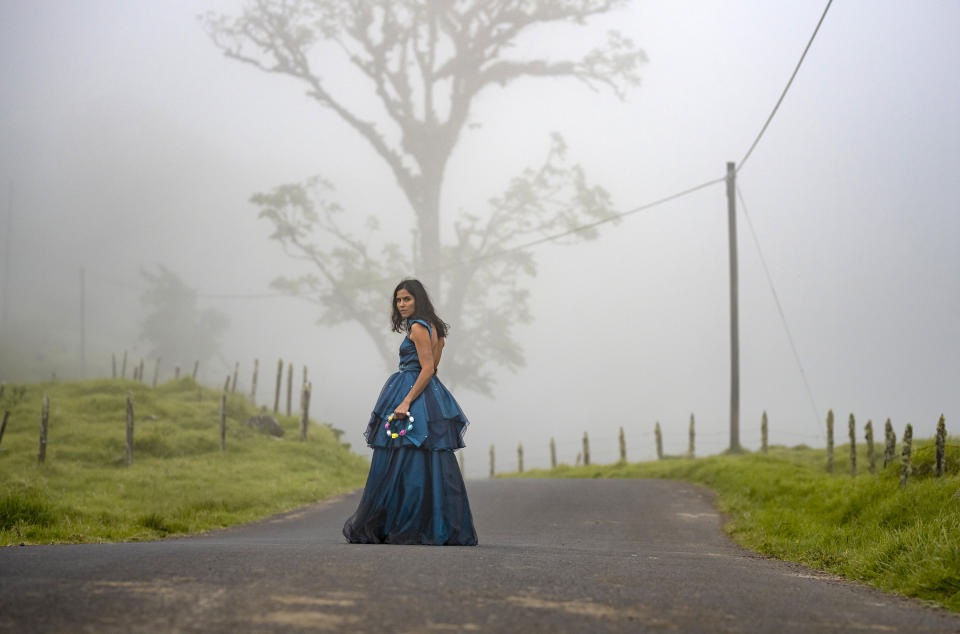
(426, 61)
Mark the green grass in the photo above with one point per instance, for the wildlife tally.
(784, 505)
(179, 482)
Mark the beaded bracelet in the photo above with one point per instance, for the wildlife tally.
(400, 432)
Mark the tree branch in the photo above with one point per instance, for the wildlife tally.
(348, 269)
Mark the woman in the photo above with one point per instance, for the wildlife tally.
(414, 492)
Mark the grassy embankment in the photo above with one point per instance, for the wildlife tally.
(784, 504)
(180, 481)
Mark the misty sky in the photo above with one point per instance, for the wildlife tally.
(127, 140)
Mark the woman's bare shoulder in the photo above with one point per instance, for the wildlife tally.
(418, 330)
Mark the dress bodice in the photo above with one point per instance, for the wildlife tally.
(437, 422)
(409, 361)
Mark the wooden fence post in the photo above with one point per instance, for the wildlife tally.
(553, 453)
(129, 428)
(253, 387)
(941, 443)
(196, 366)
(226, 384)
(289, 387)
(276, 395)
(830, 441)
(236, 370)
(853, 446)
(3, 426)
(156, 371)
(890, 449)
(491, 461)
(305, 421)
(123, 368)
(658, 437)
(905, 456)
(140, 371)
(623, 446)
(871, 458)
(113, 363)
(44, 422)
(520, 458)
(176, 373)
(690, 446)
(586, 449)
(223, 418)
(763, 433)
(304, 375)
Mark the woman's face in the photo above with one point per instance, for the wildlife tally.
(404, 301)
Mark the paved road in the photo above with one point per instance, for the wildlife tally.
(555, 556)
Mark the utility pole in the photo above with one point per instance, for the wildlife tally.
(83, 323)
(6, 259)
(734, 317)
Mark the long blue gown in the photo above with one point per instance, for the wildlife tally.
(414, 493)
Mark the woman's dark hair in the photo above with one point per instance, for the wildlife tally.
(422, 308)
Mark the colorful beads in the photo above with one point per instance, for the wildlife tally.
(399, 432)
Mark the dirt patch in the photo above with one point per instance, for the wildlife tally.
(333, 599)
(312, 619)
(579, 607)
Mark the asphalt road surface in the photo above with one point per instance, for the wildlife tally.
(554, 556)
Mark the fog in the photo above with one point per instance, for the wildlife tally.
(129, 141)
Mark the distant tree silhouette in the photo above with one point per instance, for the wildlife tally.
(425, 61)
(177, 330)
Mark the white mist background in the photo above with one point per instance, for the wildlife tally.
(129, 141)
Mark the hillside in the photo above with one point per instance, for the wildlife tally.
(784, 504)
(179, 482)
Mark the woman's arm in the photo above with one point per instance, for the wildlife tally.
(420, 337)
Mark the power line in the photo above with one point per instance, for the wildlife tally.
(479, 258)
(776, 299)
(244, 295)
(597, 223)
(785, 89)
(552, 237)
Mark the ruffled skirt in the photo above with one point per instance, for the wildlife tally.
(415, 492)
(438, 421)
(413, 496)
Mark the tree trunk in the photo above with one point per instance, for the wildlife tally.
(428, 237)
(423, 193)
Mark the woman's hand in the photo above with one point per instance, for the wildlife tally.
(402, 410)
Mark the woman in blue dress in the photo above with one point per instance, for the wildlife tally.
(414, 493)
